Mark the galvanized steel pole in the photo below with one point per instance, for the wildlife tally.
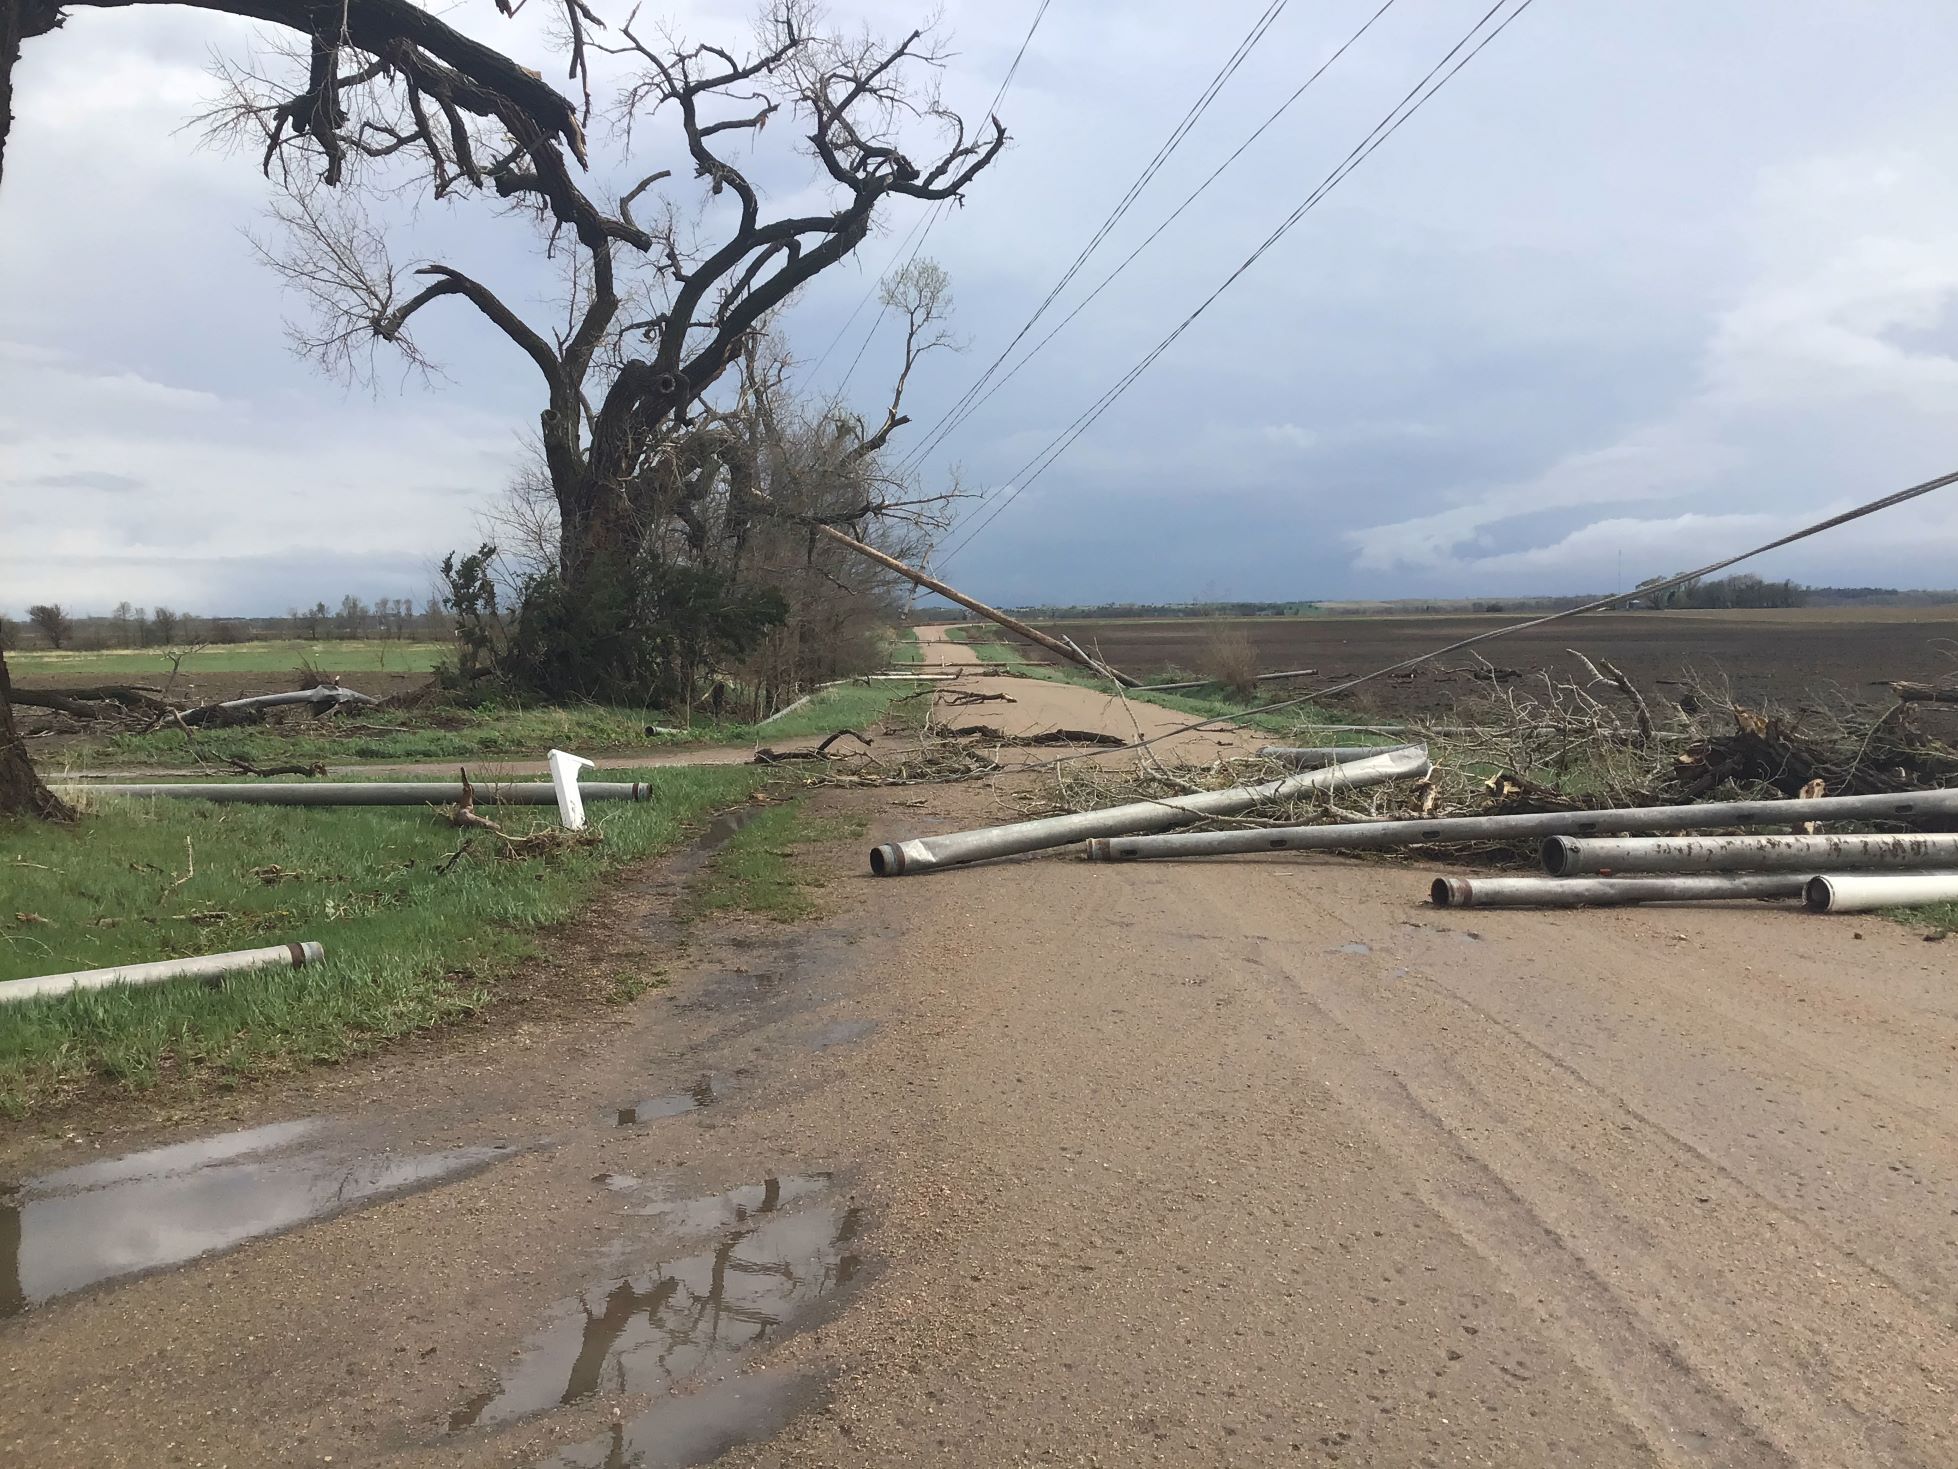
(1846, 852)
(1609, 892)
(363, 793)
(923, 853)
(1378, 835)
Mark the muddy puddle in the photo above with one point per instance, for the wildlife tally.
(696, 1427)
(75, 1228)
(688, 1320)
(673, 1104)
(842, 1033)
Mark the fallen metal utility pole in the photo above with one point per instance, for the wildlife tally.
(1568, 856)
(1058, 647)
(365, 793)
(1861, 892)
(1315, 755)
(205, 966)
(1374, 835)
(921, 854)
(1610, 892)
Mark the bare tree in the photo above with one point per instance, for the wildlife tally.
(53, 624)
(436, 83)
(352, 49)
(656, 310)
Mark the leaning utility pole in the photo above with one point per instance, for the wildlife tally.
(1060, 647)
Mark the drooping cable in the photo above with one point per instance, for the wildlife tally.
(1177, 134)
(1410, 104)
(952, 422)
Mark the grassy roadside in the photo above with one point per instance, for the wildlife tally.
(1938, 918)
(409, 945)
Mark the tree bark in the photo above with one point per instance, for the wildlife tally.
(13, 28)
(21, 791)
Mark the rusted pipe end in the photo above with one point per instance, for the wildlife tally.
(887, 860)
(304, 953)
(1559, 856)
(1451, 892)
(1819, 895)
(1097, 849)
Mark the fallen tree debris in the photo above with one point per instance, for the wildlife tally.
(542, 842)
(1924, 693)
(1045, 737)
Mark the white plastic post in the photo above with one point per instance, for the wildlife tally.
(564, 776)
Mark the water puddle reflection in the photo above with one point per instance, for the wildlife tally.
(696, 1428)
(646, 1333)
(80, 1226)
(700, 1094)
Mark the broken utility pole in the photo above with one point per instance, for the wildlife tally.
(1061, 648)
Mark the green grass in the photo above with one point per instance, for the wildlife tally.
(905, 648)
(1937, 918)
(756, 871)
(490, 732)
(408, 946)
(351, 656)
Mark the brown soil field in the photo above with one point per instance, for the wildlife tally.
(1794, 658)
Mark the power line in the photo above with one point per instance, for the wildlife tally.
(1177, 134)
(960, 415)
(1415, 99)
(926, 221)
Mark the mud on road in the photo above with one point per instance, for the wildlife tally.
(1042, 1161)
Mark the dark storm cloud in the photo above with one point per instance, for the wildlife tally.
(1644, 279)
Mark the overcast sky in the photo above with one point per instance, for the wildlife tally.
(1646, 282)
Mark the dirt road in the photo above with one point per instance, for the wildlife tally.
(1047, 1162)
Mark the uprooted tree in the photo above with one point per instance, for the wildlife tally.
(648, 435)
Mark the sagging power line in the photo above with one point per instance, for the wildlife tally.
(1245, 46)
(958, 416)
(1435, 79)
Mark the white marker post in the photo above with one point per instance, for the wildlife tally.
(564, 776)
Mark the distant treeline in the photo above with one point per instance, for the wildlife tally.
(50, 625)
(1744, 590)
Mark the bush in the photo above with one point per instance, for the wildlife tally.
(1229, 660)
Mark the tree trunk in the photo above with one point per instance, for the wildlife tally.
(13, 26)
(21, 791)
